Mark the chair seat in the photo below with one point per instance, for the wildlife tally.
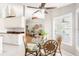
(32, 47)
(43, 53)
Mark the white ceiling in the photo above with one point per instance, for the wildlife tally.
(48, 4)
(38, 4)
(29, 11)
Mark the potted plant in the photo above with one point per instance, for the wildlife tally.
(42, 33)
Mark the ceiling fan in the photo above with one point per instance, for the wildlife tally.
(42, 6)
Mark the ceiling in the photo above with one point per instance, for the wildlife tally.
(38, 4)
(48, 4)
(29, 11)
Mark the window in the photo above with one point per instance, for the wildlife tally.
(62, 25)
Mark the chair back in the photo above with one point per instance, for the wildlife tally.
(50, 47)
(59, 40)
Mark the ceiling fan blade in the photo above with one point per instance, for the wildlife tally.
(42, 5)
(49, 7)
(33, 7)
(36, 12)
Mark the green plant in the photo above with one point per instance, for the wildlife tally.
(42, 32)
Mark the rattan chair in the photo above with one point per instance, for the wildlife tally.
(59, 41)
(28, 51)
(50, 47)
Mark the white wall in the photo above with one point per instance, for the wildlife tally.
(77, 29)
(48, 24)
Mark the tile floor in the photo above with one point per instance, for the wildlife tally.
(13, 50)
